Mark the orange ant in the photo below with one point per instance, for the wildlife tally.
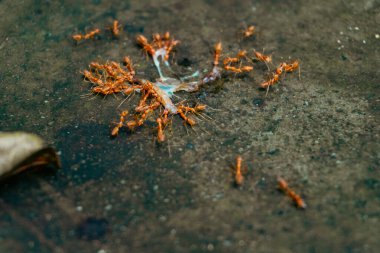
(291, 67)
(90, 76)
(128, 90)
(229, 60)
(215, 72)
(279, 70)
(283, 185)
(110, 69)
(276, 76)
(78, 37)
(188, 120)
(167, 36)
(165, 118)
(131, 124)
(218, 50)
(157, 41)
(239, 178)
(128, 64)
(270, 82)
(160, 132)
(249, 31)
(162, 121)
(263, 58)
(170, 48)
(107, 89)
(115, 28)
(89, 35)
(238, 70)
(241, 54)
(198, 108)
(143, 108)
(96, 65)
(115, 131)
(246, 68)
(144, 116)
(194, 110)
(144, 43)
(138, 122)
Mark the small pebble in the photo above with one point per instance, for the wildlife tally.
(79, 208)
(377, 36)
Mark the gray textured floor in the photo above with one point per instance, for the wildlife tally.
(128, 194)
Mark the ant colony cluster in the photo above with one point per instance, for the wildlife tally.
(156, 96)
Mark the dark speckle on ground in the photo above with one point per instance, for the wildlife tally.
(92, 229)
(259, 102)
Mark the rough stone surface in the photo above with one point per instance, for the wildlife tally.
(320, 133)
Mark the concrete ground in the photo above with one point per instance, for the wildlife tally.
(128, 194)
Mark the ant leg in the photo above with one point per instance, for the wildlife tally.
(266, 94)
